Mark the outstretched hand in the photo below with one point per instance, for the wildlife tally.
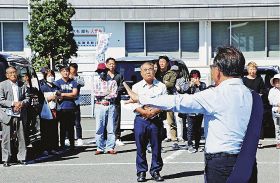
(133, 96)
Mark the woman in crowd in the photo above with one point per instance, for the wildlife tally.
(254, 82)
(49, 127)
(194, 120)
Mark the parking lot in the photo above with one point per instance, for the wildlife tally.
(82, 165)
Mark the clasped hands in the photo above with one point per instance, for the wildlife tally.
(17, 106)
(148, 111)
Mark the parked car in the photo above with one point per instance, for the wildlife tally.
(267, 72)
(24, 67)
(129, 67)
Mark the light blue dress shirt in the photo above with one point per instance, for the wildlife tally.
(226, 108)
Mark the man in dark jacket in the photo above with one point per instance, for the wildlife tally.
(168, 77)
(112, 74)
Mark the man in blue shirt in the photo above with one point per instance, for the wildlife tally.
(67, 94)
(226, 108)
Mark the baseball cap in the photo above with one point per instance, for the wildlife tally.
(101, 67)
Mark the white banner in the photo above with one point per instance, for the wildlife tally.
(102, 46)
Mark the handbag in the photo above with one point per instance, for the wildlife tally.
(46, 111)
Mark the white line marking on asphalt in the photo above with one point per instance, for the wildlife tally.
(104, 164)
(173, 156)
(89, 130)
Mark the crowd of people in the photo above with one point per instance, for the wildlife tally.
(170, 106)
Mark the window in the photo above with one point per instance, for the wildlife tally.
(162, 39)
(12, 36)
(134, 39)
(190, 39)
(249, 37)
(220, 35)
(273, 47)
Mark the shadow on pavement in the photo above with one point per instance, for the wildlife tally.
(63, 155)
(126, 151)
(183, 174)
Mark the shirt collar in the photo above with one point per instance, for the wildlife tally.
(231, 81)
(144, 83)
(12, 83)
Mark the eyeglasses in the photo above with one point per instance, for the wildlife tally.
(146, 70)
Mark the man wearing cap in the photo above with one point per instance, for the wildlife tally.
(67, 94)
(274, 100)
(105, 92)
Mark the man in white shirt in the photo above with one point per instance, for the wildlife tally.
(226, 108)
(148, 124)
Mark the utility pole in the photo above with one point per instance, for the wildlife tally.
(28, 11)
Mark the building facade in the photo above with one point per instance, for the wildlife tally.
(188, 30)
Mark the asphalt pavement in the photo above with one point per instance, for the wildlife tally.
(81, 165)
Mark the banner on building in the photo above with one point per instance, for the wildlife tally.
(102, 46)
(86, 37)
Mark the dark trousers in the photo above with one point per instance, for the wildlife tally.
(194, 129)
(117, 121)
(78, 122)
(148, 131)
(7, 132)
(218, 169)
(67, 121)
(49, 134)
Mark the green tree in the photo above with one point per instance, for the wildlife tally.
(51, 32)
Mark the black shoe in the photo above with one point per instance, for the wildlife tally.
(156, 176)
(6, 164)
(21, 162)
(141, 177)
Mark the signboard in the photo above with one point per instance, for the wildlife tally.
(86, 37)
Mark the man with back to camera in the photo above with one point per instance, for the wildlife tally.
(14, 100)
(148, 124)
(226, 108)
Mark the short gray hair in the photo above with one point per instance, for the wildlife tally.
(10, 67)
(147, 63)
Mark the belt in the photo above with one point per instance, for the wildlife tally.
(105, 103)
(112, 100)
(209, 156)
(152, 118)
